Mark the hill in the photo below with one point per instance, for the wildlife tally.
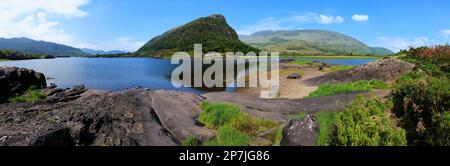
(315, 42)
(39, 47)
(17, 55)
(213, 32)
(101, 52)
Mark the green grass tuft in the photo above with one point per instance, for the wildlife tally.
(235, 128)
(229, 136)
(190, 141)
(334, 89)
(325, 120)
(218, 114)
(32, 95)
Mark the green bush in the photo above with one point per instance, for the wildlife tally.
(423, 102)
(365, 123)
(422, 97)
(334, 89)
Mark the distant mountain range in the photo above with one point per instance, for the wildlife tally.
(40, 47)
(213, 32)
(27, 45)
(310, 42)
(100, 52)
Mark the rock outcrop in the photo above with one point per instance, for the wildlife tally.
(385, 70)
(300, 132)
(15, 80)
(129, 118)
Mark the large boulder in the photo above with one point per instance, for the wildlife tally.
(386, 70)
(15, 80)
(300, 132)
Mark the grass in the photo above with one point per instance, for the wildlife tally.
(338, 68)
(235, 128)
(326, 121)
(190, 141)
(360, 86)
(4, 60)
(32, 95)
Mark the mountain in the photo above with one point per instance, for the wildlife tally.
(39, 47)
(213, 32)
(312, 42)
(100, 52)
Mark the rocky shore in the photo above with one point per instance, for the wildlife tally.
(83, 117)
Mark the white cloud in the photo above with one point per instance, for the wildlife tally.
(360, 18)
(38, 19)
(42, 19)
(399, 43)
(445, 32)
(324, 19)
(291, 22)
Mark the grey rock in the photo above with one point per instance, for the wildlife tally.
(300, 132)
(294, 76)
(385, 70)
(15, 80)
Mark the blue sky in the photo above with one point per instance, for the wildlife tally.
(126, 25)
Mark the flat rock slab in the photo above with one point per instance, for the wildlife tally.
(102, 118)
(178, 113)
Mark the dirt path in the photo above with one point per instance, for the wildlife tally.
(291, 88)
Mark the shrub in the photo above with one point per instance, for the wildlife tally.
(334, 89)
(365, 123)
(423, 102)
(422, 98)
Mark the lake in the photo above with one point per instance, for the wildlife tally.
(116, 74)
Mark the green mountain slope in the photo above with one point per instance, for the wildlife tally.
(39, 47)
(212, 31)
(310, 42)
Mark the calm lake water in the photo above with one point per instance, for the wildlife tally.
(118, 73)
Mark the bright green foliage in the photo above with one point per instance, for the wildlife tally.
(190, 141)
(365, 123)
(219, 114)
(32, 95)
(325, 120)
(229, 136)
(234, 128)
(333, 89)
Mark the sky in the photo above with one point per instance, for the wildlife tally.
(127, 25)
